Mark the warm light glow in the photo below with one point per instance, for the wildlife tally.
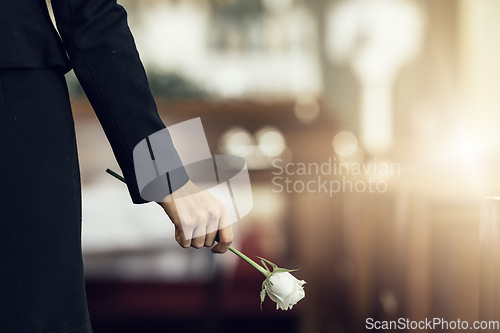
(238, 141)
(306, 110)
(468, 150)
(345, 143)
(271, 141)
(363, 34)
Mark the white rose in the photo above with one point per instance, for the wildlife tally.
(284, 289)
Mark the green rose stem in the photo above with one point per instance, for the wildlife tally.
(232, 249)
(251, 262)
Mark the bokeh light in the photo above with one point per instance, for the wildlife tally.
(237, 141)
(307, 110)
(271, 141)
(345, 143)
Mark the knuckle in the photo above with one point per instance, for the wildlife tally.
(222, 209)
(227, 242)
(184, 245)
(201, 218)
(212, 214)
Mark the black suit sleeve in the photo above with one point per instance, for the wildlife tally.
(105, 59)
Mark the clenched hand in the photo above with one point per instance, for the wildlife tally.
(198, 216)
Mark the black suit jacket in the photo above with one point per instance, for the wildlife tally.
(96, 42)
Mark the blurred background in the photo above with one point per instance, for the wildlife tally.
(407, 84)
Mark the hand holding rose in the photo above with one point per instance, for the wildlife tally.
(197, 216)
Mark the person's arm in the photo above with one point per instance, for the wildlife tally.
(105, 60)
(104, 57)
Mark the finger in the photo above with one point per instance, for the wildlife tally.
(181, 238)
(210, 238)
(199, 238)
(225, 236)
(171, 210)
